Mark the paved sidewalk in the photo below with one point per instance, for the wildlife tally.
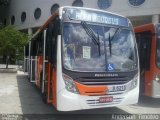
(11, 68)
(19, 96)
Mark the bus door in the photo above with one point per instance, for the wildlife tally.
(51, 54)
(144, 42)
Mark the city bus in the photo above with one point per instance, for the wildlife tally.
(148, 41)
(83, 58)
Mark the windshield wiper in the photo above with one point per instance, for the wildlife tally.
(110, 39)
(110, 45)
(117, 30)
(105, 54)
(98, 44)
(91, 34)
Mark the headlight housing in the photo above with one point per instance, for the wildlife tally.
(134, 81)
(69, 84)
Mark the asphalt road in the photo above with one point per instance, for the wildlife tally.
(19, 96)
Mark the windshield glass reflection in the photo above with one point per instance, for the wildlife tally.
(116, 51)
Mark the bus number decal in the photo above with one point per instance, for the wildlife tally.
(119, 88)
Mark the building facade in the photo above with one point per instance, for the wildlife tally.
(28, 15)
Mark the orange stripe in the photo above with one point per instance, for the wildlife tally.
(49, 83)
(54, 93)
(91, 90)
(47, 22)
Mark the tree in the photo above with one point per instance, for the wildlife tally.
(12, 41)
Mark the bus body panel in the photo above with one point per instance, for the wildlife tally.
(49, 100)
(68, 101)
(60, 82)
(54, 87)
(152, 88)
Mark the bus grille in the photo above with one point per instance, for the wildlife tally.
(104, 81)
(96, 102)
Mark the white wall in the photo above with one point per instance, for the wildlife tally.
(16, 7)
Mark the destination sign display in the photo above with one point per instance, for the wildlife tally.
(97, 16)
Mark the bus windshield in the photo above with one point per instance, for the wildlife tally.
(158, 47)
(96, 48)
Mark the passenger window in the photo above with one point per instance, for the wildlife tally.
(144, 41)
(40, 43)
(33, 47)
(27, 50)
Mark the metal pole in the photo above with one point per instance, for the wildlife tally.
(44, 60)
(31, 70)
(29, 62)
(24, 63)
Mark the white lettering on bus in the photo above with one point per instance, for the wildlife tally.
(96, 18)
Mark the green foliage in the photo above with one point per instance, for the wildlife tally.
(12, 42)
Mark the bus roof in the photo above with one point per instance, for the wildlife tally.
(146, 27)
(92, 9)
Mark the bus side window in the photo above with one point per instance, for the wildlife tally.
(40, 44)
(49, 35)
(33, 47)
(27, 50)
(144, 40)
(51, 40)
(148, 50)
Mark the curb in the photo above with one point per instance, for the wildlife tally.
(9, 70)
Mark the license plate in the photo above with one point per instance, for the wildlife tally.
(119, 88)
(105, 99)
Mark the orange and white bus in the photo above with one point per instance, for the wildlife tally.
(83, 58)
(148, 40)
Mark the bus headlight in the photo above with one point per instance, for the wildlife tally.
(70, 85)
(134, 81)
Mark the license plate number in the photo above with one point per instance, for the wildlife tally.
(105, 99)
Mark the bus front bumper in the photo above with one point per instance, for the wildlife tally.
(67, 101)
